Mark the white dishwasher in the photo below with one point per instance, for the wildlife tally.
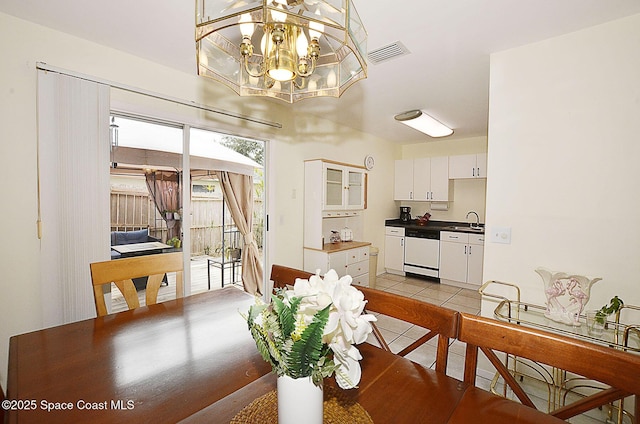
(422, 252)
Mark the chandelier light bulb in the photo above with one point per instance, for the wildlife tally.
(315, 30)
(302, 44)
(246, 26)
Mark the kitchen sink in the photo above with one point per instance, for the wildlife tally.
(473, 229)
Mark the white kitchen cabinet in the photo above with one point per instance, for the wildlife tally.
(403, 181)
(461, 256)
(331, 190)
(468, 166)
(422, 179)
(343, 187)
(394, 250)
(353, 262)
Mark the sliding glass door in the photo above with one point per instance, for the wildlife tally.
(149, 190)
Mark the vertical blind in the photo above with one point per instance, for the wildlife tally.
(73, 161)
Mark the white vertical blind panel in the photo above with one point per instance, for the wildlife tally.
(73, 131)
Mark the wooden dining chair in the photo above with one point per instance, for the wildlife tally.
(123, 271)
(617, 369)
(439, 322)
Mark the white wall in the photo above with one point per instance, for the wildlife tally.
(563, 161)
(22, 44)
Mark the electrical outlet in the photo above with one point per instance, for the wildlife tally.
(500, 235)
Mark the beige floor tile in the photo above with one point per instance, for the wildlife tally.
(444, 288)
(425, 355)
(461, 308)
(400, 343)
(392, 324)
(433, 295)
(473, 294)
(409, 288)
(393, 277)
(384, 283)
(415, 332)
(398, 292)
(465, 301)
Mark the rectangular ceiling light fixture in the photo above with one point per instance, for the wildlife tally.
(422, 122)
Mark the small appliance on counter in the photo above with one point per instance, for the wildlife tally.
(335, 237)
(346, 234)
(405, 213)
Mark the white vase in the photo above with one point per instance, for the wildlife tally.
(567, 295)
(299, 401)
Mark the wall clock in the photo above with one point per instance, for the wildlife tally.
(369, 161)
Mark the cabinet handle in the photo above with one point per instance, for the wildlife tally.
(469, 250)
(473, 172)
(402, 242)
(465, 250)
(411, 195)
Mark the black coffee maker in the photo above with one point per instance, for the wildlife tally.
(405, 213)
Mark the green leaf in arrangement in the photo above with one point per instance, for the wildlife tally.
(307, 351)
(287, 318)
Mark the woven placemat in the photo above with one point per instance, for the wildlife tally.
(337, 410)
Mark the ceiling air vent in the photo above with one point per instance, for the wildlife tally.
(387, 52)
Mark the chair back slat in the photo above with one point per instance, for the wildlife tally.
(123, 271)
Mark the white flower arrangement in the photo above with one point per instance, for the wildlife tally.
(312, 330)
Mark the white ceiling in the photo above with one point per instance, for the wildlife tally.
(446, 74)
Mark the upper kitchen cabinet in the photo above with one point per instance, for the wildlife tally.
(422, 179)
(343, 186)
(468, 166)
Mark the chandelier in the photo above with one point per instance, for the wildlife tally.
(285, 49)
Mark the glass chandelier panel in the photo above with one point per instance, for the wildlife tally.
(285, 49)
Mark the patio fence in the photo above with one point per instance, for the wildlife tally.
(134, 210)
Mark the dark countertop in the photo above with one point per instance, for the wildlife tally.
(433, 225)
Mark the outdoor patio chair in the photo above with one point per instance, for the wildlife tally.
(123, 271)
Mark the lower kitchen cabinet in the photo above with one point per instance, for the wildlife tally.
(461, 256)
(394, 250)
(353, 262)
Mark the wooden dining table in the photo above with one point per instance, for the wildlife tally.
(193, 360)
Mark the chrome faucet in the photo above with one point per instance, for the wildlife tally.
(477, 218)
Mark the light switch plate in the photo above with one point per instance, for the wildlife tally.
(500, 235)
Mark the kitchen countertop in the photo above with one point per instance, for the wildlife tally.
(343, 245)
(433, 225)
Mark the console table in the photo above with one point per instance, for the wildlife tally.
(616, 334)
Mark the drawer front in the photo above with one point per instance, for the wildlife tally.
(454, 237)
(476, 238)
(358, 268)
(357, 255)
(361, 280)
(394, 231)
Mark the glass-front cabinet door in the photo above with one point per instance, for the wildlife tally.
(333, 187)
(344, 187)
(355, 190)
